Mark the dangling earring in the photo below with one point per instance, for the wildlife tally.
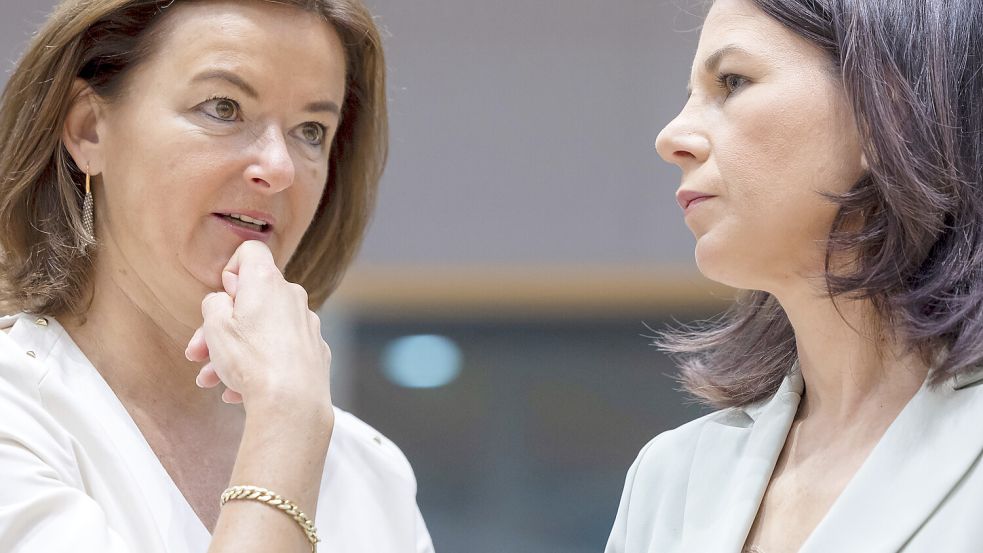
(88, 206)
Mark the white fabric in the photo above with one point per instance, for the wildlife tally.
(76, 475)
(698, 488)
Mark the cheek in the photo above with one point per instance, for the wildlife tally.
(774, 165)
(307, 193)
(172, 182)
(780, 158)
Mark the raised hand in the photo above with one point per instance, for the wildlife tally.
(259, 337)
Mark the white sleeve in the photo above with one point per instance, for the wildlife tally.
(423, 542)
(43, 508)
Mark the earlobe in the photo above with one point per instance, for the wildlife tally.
(81, 132)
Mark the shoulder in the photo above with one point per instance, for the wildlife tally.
(682, 441)
(354, 439)
(26, 426)
(19, 364)
(665, 462)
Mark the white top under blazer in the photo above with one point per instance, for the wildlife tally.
(76, 474)
(697, 489)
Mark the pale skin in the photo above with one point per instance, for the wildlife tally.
(215, 123)
(766, 128)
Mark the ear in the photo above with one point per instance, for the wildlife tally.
(863, 163)
(83, 126)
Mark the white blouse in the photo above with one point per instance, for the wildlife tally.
(76, 474)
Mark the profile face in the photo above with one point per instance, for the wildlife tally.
(766, 131)
(231, 118)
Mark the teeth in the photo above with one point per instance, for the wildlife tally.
(247, 219)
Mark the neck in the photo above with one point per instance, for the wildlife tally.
(138, 346)
(851, 362)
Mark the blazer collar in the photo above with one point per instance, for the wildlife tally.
(735, 456)
(923, 455)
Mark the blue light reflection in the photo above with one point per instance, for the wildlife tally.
(425, 361)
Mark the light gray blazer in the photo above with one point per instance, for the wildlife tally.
(696, 489)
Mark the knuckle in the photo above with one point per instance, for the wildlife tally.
(297, 291)
(315, 320)
(251, 246)
(208, 303)
(267, 272)
(255, 250)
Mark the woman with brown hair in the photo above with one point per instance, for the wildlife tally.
(181, 183)
(832, 167)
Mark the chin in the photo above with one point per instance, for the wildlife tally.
(724, 265)
(205, 270)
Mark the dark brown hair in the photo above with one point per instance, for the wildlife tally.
(913, 71)
(44, 263)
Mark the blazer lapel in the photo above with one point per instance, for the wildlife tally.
(732, 465)
(922, 456)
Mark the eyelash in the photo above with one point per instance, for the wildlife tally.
(724, 77)
(322, 128)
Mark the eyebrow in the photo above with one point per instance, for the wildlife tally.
(325, 106)
(712, 63)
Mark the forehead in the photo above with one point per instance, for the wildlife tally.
(266, 39)
(742, 24)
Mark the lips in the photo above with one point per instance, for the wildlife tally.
(686, 198)
(246, 224)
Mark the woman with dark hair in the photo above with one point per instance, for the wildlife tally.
(832, 161)
(181, 184)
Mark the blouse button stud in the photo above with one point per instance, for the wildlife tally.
(41, 321)
(32, 354)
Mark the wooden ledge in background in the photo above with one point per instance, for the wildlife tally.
(525, 292)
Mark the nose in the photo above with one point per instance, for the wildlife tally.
(682, 143)
(273, 169)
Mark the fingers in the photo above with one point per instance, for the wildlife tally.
(197, 350)
(252, 279)
(240, 336)
(231, 396)
(207, 377)
(252, 261)
(215, 309)
(217, 312)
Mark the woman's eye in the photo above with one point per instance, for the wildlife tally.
(313, 133)
(222, 108)
(731, 82)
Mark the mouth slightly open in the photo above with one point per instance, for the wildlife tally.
(247, 225)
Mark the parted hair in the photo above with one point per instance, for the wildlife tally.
(45, 260)
(913, 71)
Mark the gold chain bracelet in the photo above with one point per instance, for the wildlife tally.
(264, 495)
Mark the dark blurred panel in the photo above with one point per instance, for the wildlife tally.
(527, 449)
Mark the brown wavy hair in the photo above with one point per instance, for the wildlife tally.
(45, 261)
(913, 71)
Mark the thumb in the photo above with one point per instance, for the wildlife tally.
(230, 281)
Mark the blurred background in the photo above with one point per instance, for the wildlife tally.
(526, 245)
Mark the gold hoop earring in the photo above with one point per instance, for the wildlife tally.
(88, 209)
